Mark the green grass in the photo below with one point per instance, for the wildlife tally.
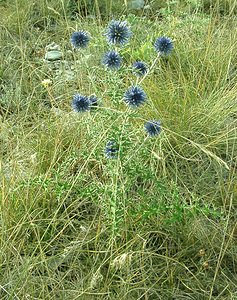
(157, 223)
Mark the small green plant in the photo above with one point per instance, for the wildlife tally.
(118, 35)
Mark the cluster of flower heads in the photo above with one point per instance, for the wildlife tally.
(118, 34)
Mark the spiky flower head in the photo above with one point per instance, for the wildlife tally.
(112, 60)
(163, 45)
(118, 32)
(140, 68)
(135, 96)
(111, 149)
(152, 127)
(80, 103)
(80, 39)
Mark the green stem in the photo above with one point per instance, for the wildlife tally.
(150, 69)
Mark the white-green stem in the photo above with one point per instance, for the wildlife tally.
(116, 173)
(135, 152)
(150, 69)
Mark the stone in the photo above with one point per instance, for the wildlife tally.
(136, 4)
(53, 55)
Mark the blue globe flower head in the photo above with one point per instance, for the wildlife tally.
(111, 149)
(80, 103)
(80, 39)
(93, 101)
(152, 127)
(118, 32)
(140, 68)
(112, 60)
(164, 45)
(135, 96)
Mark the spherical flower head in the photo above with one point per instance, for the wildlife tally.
(93, 101)
(80, 39)
(80, 103)
(135, 96)
(118, 32)
(152, 128)
(140, 68)
(112, 60)
(111, 149)
(163, 45)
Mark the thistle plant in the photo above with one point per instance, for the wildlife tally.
(134, 96)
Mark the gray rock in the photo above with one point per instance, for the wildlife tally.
(136, 4)
(53, 55)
